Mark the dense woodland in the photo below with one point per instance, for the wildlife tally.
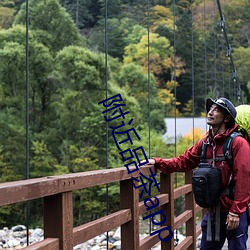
(164, 60)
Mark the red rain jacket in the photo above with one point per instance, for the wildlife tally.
(241, 167)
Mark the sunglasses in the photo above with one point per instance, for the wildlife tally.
(221, 102)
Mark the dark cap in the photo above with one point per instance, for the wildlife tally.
(223, 103)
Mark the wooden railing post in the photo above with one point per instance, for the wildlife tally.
(129, 198)
(190, 205)
(167, 187)
(58, 219)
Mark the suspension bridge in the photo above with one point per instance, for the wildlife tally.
(56, 192)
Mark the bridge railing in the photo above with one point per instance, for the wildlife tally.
(56, 192)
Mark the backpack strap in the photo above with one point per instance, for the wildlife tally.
(227, 151)
(203, 152)
(227, 148)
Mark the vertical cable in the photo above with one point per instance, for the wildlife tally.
(106, 82)
(222, 69)
(192, 28)
(174, 76)
(149, 122)
(175, 95)
(223, 80)
(236, 87)
(77, 13)
(215, 52)
(229, 83)
(27, 207)
(148, 23)
(175, 92)
(205, 51)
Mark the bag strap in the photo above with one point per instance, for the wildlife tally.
(203, 152)
(227, 151)
(227, 148)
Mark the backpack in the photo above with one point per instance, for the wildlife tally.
(206, 179)
(243, 120)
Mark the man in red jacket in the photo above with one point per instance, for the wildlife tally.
(221, 115)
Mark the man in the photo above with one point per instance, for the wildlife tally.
(221, 115)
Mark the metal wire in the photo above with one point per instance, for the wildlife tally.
(193, 93)
(175, 95)
(174, 73)
(205, 50)
(27, 207)
(149, 122)
(236, 82)
(215, 51)
(106, 82)
(148, 24)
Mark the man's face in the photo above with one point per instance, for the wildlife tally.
(215, 116)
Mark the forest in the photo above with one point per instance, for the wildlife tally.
(163, 57)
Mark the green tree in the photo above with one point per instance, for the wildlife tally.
(161, 57)
(135, 81)
(84, 13)
(242, 64)
(6, 17)
(53, 25)
(117, 31)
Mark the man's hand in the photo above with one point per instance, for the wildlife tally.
(150, 162)
(232, 222)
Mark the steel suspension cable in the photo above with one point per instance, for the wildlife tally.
(192, 77)
(27, 207)
(149, 121)
(215, 52)
(205, 49)
(229, 54)
(106, 83)
(175, 95)
(222, 68)
(174, 76)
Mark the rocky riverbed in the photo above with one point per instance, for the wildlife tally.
(16, 238)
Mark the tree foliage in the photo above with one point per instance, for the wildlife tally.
(53, 25)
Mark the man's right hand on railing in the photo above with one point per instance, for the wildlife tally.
(150, 162)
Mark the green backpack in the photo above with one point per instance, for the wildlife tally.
(243, 120)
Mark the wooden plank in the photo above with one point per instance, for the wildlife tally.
(182, 190)
(98, 177)
(149, 241)
(198, 231)
(129, 199)
(58, 219)
(185, 244)
(46, 244)
(198, 209)
(90, 230)
(163, 199)
(24, 190)
(182, 218)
